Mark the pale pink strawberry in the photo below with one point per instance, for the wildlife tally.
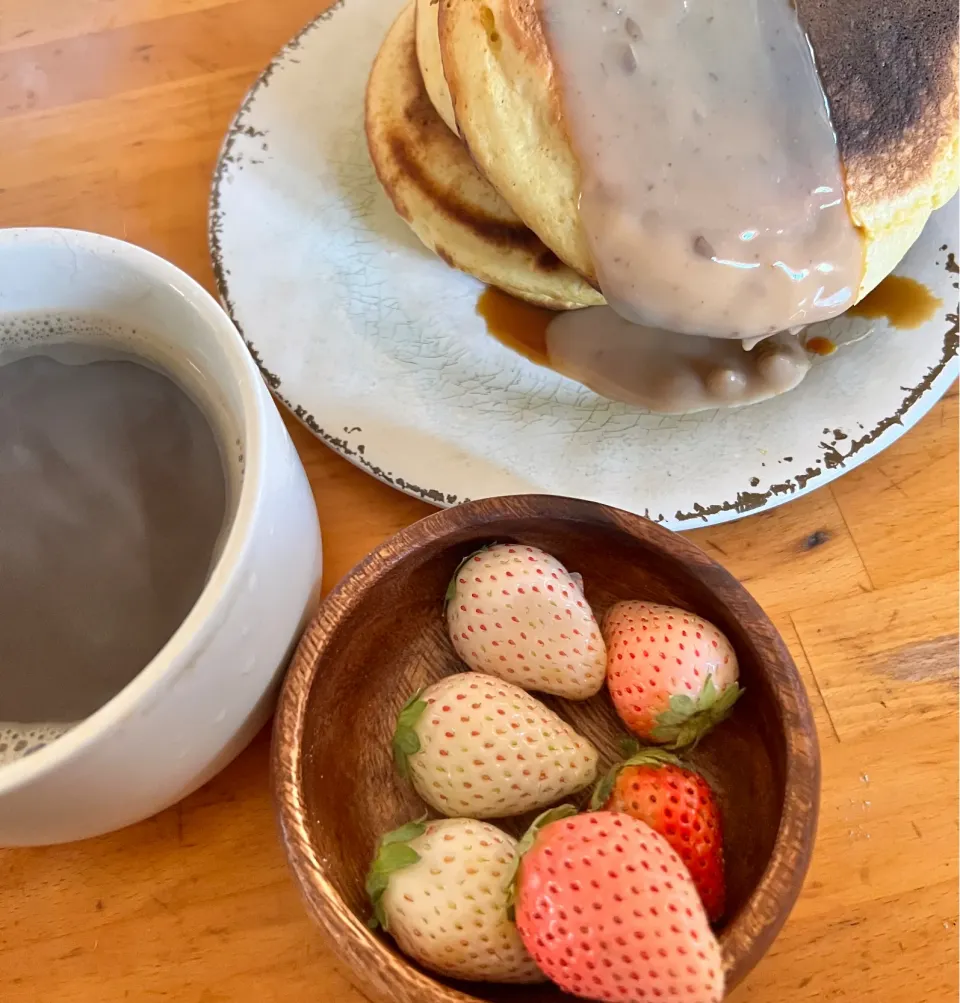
(671, 674)
(479, 747)
(609, 912)
(517, 613)
(441, 890)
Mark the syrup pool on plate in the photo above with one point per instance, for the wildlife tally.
(675, 373)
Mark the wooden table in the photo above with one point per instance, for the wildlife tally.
(111, 115)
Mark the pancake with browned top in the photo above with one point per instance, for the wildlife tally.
(437, 189)
(889, 72)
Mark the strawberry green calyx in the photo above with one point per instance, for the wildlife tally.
(452, 587)
(646, 756)
(393, 854)
(629, 746)
(405, 739)
(544, 819)
(688, 719)
(561, 811)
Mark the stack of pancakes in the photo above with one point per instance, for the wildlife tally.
(465, 124)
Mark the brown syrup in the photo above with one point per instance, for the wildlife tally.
(903, 302)
(520, 326)
(820, 346)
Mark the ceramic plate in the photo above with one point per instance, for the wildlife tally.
(376, 345)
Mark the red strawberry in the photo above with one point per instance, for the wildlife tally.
(672, 675)
(608, 911)
(517, 613)
(653, 786)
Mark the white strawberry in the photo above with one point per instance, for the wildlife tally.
(440, 889)
(672, 675)
(477, 746)
(517, 613)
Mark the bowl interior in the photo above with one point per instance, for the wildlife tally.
(389, 640)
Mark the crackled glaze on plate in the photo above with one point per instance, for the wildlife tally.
(375, 344)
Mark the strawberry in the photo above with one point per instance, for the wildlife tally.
(672, 675)
(653, 786)
(476, 746)
(609, 912)
(517, 613)
(440, 889)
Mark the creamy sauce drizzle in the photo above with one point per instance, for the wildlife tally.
(668, 373)
(712, 191)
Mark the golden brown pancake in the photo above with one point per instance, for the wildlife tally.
(889, 71)
(431, 65)
(500, 76)
(437, 189)
(892, 85)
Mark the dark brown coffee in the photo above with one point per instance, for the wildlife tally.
(112, 500)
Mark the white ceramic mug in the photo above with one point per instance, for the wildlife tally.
(201, 699)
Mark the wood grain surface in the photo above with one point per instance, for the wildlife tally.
(111, 115)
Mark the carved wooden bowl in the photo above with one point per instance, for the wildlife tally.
(381, 635)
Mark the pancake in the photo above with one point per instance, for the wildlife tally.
(437, 189)
(889, 71)
(431, 64)
(892, 86)
(500, 76)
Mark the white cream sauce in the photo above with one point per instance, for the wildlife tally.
(667, 372)
(712, 195)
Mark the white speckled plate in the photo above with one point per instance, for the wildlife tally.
(376, 346)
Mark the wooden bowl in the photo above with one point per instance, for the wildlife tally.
(381, 635)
